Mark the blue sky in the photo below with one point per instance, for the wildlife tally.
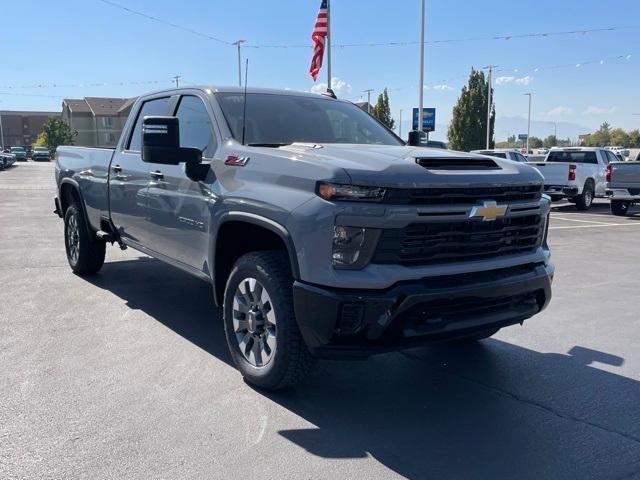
(78, 42)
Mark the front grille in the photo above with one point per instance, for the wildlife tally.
(446, 242)
(459, 196)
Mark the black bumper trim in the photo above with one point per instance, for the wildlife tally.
(399, 317)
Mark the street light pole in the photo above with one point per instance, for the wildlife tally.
(528, 122)
(1, 133)
(421, 84)
(177, 79)
(489, 109)
(368, 92)
(238, 44)
(399, 125)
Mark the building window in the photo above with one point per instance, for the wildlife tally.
(107, 121)
(109, 138)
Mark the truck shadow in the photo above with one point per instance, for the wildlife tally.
(485, 410)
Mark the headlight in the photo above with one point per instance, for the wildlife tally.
(332, 192)
(353, 246)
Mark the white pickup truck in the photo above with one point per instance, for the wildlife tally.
(575, 173)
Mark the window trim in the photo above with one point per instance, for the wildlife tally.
(214, 136)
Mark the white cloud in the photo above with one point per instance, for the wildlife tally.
(504, 80)
(443, 88)
(340, 87)
(524, 80)
(591, 110)
(559, 111)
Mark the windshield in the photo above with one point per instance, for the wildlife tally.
(40, 149)
(274, 120)
(17, 149)
(573, 157)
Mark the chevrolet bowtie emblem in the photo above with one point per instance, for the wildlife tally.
(488, 211)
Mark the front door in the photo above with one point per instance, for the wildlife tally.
(179, 208)
(129, 179)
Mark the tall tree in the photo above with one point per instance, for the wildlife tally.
(619, 137)
(56, 132)
(601, 137)
(468, 128)
(382, 111)
(551, 141)
(634, 138)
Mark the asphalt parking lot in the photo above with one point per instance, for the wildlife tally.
(126, 375)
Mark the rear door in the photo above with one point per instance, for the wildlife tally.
(179, 208)
(129, 178)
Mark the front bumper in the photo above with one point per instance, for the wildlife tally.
(356, 323)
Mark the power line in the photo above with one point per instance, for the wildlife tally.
(165, 22)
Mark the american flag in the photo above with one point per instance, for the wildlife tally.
(319, 37)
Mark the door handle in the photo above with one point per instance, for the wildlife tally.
(157, 175)
(116, 168)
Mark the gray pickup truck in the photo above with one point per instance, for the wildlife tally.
(321, 233)
(623, 186)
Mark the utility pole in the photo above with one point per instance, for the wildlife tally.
(400, 125)
(421, 83)
(528, 122)
(177, 79)
(368, 92)
(1, 134)
(489, 108)
(238, 43)
(555, 130)
(328, 46)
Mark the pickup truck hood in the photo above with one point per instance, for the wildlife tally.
(396, 166)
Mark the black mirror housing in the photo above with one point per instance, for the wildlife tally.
(416, 137)
(161, 143)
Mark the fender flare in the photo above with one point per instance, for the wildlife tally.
(264, 222)
(76, 187)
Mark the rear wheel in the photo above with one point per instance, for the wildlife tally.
(85, 254)
(620, 207)
(584, 201)
(260, 325)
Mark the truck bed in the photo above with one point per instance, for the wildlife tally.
(625, 175)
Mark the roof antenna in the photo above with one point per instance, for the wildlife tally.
(244, 106)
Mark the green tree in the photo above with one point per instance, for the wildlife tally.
(382, 111)
(634, 138)
(551, 141)
(468, 128)
(41, 141)
(619, 137)
(511, 139)
(535, 142)
(601, 137)
(56, 132)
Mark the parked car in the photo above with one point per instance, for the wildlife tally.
(7, 160)
(506, 153)
(20, 153)
(623, 186)
(543, 151)
(621, 151)
(535, 158)
(40, 154)
(321, 233)
(436, 144)
(575, 173)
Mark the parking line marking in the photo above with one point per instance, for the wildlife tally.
(583, 221)
(598, 226)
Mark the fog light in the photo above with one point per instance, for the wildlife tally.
(353, 246)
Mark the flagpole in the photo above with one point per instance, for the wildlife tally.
(328, 45)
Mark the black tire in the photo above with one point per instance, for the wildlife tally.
(85, 254)
(290, 360)
(584, 200)
(478, 336)
(620, 208)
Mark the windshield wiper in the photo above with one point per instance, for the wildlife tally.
(270, 145)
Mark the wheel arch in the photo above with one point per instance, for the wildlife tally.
(257, 233)
(69, 191)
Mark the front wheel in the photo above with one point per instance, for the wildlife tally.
(260, 324)
(620, 207)
(584, 201)
(85, 254)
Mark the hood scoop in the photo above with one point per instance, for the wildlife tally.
(445, 163)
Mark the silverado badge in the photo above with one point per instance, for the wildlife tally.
(488, 211)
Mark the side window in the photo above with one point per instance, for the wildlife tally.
(196, 129)
(611, 157)
(520, 158)
(158, 106)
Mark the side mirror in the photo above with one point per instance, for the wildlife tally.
(416, 138)
(161, 143)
